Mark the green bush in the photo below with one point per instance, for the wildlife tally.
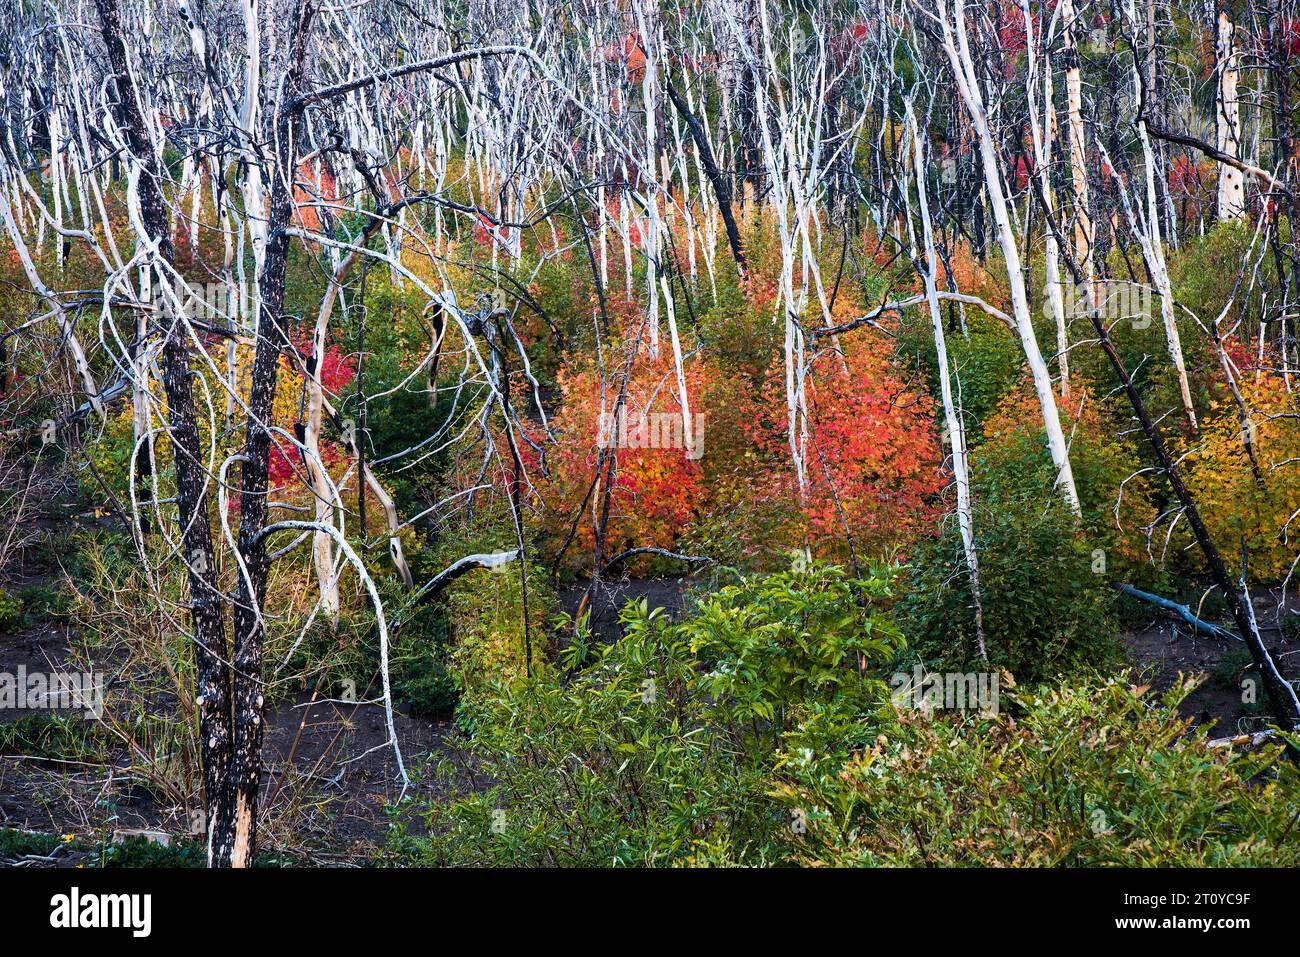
(11, 611)
(403, 413)
(419, 659)
(15, 844)
(1045, 611)
(1093, 775)
(777, 644)
(756, 733)
(139, 851)
(986, 362)
(347, 649)
(1203, 273)
(61, 737)
(659, 751)
(47, 602)
(484, 609)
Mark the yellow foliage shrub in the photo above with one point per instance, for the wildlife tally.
(1234, 500)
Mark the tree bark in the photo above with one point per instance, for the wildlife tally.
(1232, 198)
(207, 615)
(272, 338)
(955, 44)
(720, 187)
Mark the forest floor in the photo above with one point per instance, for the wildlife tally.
(332, 777)
(1164, 649)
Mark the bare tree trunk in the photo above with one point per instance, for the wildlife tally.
(207, 615)
(952, 416)
(1083, 228)
(956, 46)
(272, 338)
(1148, 232)
(1281, 695)
(1232, 198)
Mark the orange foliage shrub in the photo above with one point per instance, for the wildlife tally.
(314, 189)
(975, 280)
(1012, 465)
(656, 488)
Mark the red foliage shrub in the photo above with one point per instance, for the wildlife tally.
(485, 231)
(336, 373)
(872, 459)
(656, 488)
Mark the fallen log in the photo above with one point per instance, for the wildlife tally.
(1180, 611)
(1244, 740)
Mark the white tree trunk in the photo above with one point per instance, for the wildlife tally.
(1232, 193)
(1083, 229)
(957, 48)
(952, 417)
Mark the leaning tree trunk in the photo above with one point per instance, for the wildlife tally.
(1148, 233)
(717, 179)
(1280, 693)
(961, 63)
(952, 416)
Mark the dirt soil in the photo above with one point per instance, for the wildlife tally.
(667, 593)
(1164, 648)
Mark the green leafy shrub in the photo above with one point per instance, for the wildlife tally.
(419, 658)
(347, 649)
(776, 644)
(1093, 775)
(61, 737)
(755, 734)
(16, 844)
(986, 361)
(659, 751)
(1045, 610)
(594, 774)
(1012, 469)
(140, 851)
(1044, 573)
(11, 611)
(1203, 273)
(47, 602)
(403, 412)
(484, 609)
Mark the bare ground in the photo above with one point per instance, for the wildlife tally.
(1164, 649)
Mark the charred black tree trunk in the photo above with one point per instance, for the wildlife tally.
(207, 615)
(1281, 695)
(721, 188)
(272, 338)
